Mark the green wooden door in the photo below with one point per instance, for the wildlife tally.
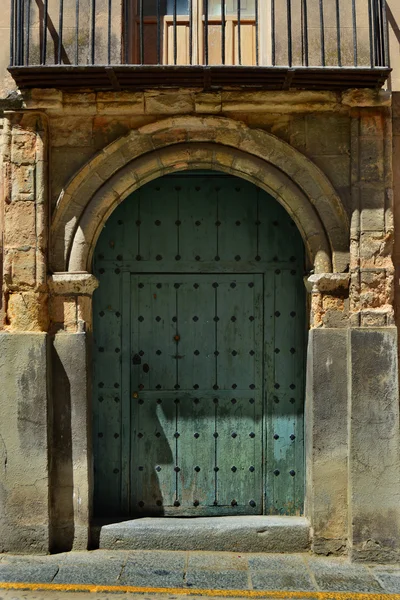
(198, 353)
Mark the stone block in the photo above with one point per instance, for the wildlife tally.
(372, 200)
(371, 159)
(24, 485)
(326, 439)
(327, 134)
(374, 458)
(71, 449)
(23, 183)
(23, 148)
(20, 224)
(20, 267)
(225, 534)
(208, 103)
(27, 311)
(172, 103)
(71, 131)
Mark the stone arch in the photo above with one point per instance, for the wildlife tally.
(199, 143)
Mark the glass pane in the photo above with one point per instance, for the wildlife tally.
(247, 8)
(166, 7)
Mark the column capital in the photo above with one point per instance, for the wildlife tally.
(327, 283)
(73, 284)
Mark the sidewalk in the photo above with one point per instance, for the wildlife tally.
(185, 573)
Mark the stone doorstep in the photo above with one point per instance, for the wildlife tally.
(218, 534)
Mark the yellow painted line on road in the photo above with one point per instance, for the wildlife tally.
(279, 594)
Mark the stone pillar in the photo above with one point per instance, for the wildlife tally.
(326, 413)
(24, 468)
(25, 173)
(326, 443)
(374, 458)
(24, 364)
(71, 448)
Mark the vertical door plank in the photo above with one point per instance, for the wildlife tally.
(196, 377)
(283, 408)
(239, 422)
(269, 390)
(126, 395)
(107, 393)
(238, 229)
(198, 214)
(158, 214)
(297, 352)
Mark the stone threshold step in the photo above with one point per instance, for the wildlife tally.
(219, 534)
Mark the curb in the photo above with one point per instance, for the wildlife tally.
(279, 594)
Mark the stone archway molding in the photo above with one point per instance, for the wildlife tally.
(188, 143)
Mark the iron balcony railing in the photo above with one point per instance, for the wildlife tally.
(134, 43)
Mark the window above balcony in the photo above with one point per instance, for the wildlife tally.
(207, 44)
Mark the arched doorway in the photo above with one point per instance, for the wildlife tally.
(199, 335)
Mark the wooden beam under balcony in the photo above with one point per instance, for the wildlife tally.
(141, 77)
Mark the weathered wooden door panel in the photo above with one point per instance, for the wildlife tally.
(199, 327)
(186, 370)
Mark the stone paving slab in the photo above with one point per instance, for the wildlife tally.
(202, 570)
(222, 580)
(388, 578)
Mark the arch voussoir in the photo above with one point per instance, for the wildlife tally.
(215, 143)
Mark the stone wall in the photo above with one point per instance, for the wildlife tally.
(336, 149)
(348, 136)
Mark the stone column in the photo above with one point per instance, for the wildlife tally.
(71, 447)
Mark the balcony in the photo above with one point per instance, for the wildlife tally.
(206, 44)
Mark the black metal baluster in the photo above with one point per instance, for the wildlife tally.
(18, 21)
(239, 33)
(355, 41)
(190, 32)
(109, 32)
(22, 17)
(141, 33)
(382, 33)
(289, 30)
(273, 32)
(206, 32)
(338, 34)
(322, 32)
(223, 32)
(76, 32)
(158, 32)
(377, 33)
(12, 33)
(126, 32)
(385, 35)
(60, 31)
(175, 35)
(28, 30)
(257, 34)
(93, 32)
(44, 49)
(305, 33)
(371, 39)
